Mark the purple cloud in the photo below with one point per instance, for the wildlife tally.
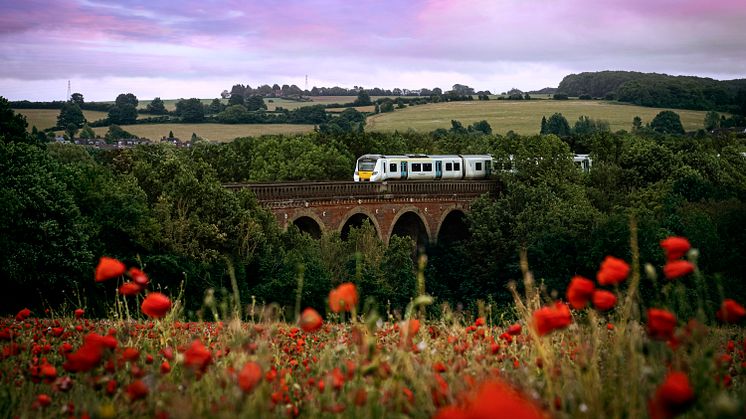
(489, 44)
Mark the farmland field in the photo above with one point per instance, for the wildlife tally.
(523, 117)
(47, 118)
(211, 132)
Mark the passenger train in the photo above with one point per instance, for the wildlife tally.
(379, 167)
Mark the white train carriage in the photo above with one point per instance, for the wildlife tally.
(379, 167)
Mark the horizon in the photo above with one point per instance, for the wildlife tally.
(107, 48)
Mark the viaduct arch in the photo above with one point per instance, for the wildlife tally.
(426, 211)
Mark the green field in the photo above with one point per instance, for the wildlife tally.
(47, 118)
(523, 117)
(211, 132)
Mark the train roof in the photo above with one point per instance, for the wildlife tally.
(430, 156)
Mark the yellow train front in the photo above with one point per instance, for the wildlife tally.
(380, 167)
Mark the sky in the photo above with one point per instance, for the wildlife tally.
(198, 48)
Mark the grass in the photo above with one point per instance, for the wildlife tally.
(523, 117)
(47, 118)
(211, 132)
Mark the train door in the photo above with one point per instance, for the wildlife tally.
(404, 170)
(438, 169)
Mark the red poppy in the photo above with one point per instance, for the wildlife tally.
(580, 291)
(677, 268)
(343, 298)
(673, 397)
(79, 313)
(249, 377)
(675, 247)
(129, 289)
(613, 271)
(604, 300)
(165, 367)
(730, 311)
(514, 329)
(197, 356)
(137, 390)
(409, 328)
(109, 268)
(310, 320)
(85, 358)
(480, 321)
(156, 305)
(43, 400)
(23, 314)
(138, 277)
(661, 324)
(549, 318)
(495, 398)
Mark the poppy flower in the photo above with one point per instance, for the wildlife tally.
(580, 291)
(23, 314)
(730, 311)
(138, 277)
(514, 329)
(677, 268)
(156, 305)
(137, 390)
(109, 268)
(197, 356)
(129, 289)
(549, 318)
(673, 397)
(675, 247)
(480, 321)
(249, 377)
(310, 320)
(343, 298)
(613, 271)
(661, 324)
(79, 313)
(604, 300)
(409, 328)
(86, 358)
(165, 367)
(495, 398)
(43, 400)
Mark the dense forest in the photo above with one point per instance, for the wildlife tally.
(163, 208)
(659, 90)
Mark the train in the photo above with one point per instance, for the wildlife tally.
(381, 167)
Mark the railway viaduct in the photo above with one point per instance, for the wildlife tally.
(426, 211)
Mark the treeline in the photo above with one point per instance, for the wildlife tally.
(164, 208)
(659, 90)
(293, 91)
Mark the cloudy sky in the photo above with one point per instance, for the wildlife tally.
(197, 48)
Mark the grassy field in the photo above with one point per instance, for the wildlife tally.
(523, 117)
(47, 118)
(212, 132)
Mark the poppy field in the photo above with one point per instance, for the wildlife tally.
(595, 350)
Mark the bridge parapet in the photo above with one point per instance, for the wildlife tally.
(266, 192)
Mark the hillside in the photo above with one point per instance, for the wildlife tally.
(660, 90)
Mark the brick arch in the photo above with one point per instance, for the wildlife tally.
(404, 210)
(446, 212)
(310, 214)
(367, 213)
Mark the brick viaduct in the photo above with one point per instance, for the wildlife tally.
(427, 211)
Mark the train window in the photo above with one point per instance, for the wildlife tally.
(456, 166)
(416, 167)
(392, 167)
(449, 166)
(427, 167)
(478, 166)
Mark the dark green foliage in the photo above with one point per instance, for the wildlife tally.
(126, 99)
(557, 125)
(116, 132)
(12, 125)
(156, 107)
(70, 114)
(124, 114)
(560, 96)
(234, 114)
(190, 110)
(255, 103)
(236, 99)
(667, 122)
(363, 99)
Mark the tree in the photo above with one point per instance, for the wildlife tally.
(124, 114)
(216, 106)
(481, 126)
(236, 100)
(12, 125)
(71, 130)
(543, 125)
(170, 134)
(190, 110)
(636, 123)
(255, 103)
(125, 98)
(87, 132)
(457, 127)
(363, 99)
(234, 114)
(667, 122)
(558, 125)
(712, 120)
(115, 132)
(156, 107)
(77, 98)
(560, 96)
(70, 114)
